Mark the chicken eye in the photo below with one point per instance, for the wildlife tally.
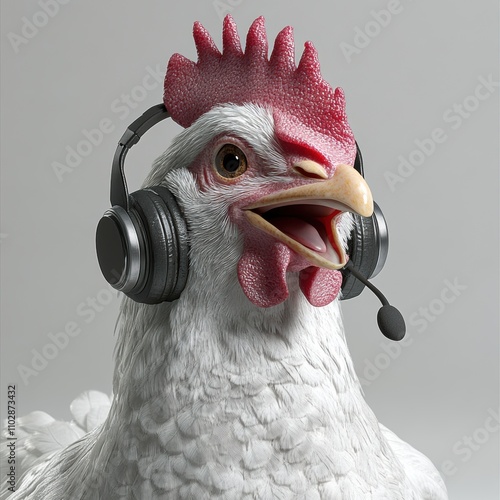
(230, 161)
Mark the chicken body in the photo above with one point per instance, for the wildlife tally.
(216, 397)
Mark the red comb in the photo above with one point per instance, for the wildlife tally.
(306, 110)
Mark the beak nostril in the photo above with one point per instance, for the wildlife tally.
(311, 169)
(305, 173)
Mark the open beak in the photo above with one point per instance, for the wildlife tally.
(304, 217)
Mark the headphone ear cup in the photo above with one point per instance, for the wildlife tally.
(368, 249)
(164, 268)
(180, 241)
(120, 248)
(363, 253)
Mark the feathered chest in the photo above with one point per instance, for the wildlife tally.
(283, 431)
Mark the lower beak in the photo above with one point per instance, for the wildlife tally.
(305, 217)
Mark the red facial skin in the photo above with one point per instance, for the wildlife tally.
(265, 261)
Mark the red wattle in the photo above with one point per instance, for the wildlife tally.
(262, 273)
(320, 286)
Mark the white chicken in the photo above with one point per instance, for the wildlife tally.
(244, 387)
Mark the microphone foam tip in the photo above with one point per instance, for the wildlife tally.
(391, 322)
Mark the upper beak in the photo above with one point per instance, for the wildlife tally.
(311, 211)
(347, 189)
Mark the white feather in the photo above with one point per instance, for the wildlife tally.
(90, 409)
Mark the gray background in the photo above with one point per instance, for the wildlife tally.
(442, 383)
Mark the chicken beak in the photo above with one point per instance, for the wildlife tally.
(304, 217)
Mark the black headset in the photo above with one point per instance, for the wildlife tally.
(142, 240)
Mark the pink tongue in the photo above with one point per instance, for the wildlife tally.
(301, 231)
